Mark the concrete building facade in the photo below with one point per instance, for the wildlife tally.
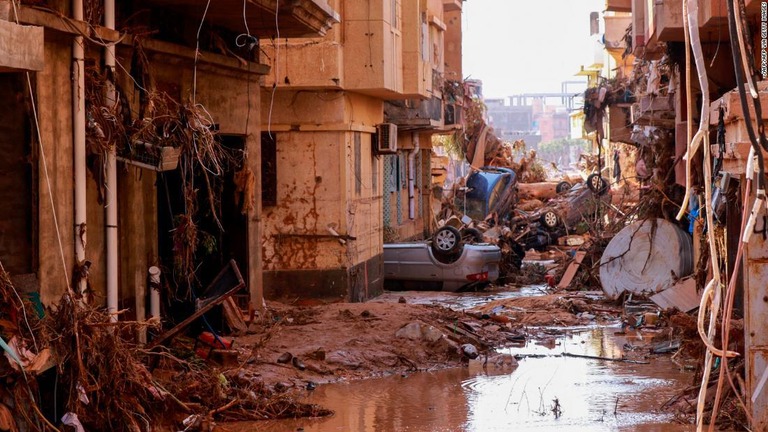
(177, 60)
(340, 189)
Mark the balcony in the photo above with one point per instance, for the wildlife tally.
(713, 13)
(618, 5)
(297, 18)
(373, 47)
(654, 111)
(22, 47)
(668, 20)
(415, 114)
(452, 5)
(615, 29)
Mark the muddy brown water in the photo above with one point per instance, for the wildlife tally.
(592, 395)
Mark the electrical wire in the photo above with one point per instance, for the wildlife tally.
(713, 291)
(743, 53)
(197, 52)
(277, 66)
(738, 53)
(729, 299)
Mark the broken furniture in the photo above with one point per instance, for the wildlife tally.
(227, 283)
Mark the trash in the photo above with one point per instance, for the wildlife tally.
(192, 422)
(636, 313)
(682, 295)
(285, 357)
(82, 396)
(410, 331)
(416, 331)
(570, 272)
(298, 364)
(470, 351)
(208, 341)
(571, 240)
(70, 419)
(645, 257)
(666, 347)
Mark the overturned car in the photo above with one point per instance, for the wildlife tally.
(444, 263)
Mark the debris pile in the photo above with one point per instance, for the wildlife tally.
(103, 380)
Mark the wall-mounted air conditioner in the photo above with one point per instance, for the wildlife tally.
(386, 138)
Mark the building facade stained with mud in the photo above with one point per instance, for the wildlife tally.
(133, 141)
(173, 136)
(347, 122)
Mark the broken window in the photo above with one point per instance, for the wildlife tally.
(268, 169)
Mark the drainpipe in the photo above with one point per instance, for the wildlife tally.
(412, 176)
(78, 142)
(111, 168)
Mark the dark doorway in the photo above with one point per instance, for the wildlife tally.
(17, 220)
(217, 244)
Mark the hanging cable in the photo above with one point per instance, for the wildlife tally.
(743, 53)
(277, 65)
(197, 52)
(713, 293)
(755, 157)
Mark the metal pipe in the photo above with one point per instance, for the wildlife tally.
(111, 174)
(154, 291)
(78, 143)
(412, 176)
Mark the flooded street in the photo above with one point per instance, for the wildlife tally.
(549, 387)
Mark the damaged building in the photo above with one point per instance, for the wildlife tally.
(347, 123)
(677, 117)
(150, 113)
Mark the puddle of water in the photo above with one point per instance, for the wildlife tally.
(460, 301)
(593, 395)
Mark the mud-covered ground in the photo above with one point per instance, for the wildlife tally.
(342, 341)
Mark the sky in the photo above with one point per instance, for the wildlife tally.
(524, 46)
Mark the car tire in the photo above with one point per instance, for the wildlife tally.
(473, 235)
(563, 186)
(446, 241)
(549, 219)
(597, 184)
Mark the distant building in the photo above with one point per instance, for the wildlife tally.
(530, 118)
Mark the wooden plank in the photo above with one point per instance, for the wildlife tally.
(570, 272)
(682, 296)
(234, 316)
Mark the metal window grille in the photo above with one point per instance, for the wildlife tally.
(390, 180)
(420, 181)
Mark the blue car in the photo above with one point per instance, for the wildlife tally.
(491, 190)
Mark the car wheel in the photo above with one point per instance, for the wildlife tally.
(597, 184)
(563, 186)
(447, 240)
(549, 219)
(471, 235)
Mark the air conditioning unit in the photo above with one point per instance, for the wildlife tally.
(386, 138)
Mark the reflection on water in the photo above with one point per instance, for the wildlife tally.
(593, 395)
(461, 301)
